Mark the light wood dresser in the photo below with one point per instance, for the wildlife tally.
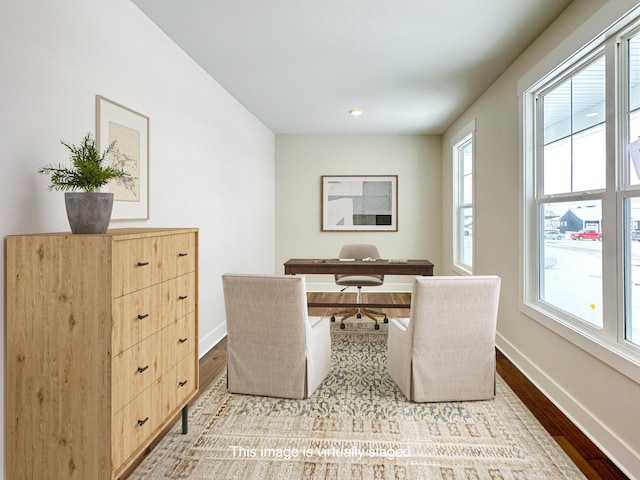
(102, 348)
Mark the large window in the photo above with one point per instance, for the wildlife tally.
(463, 201)
(571, 159)
(582, 196)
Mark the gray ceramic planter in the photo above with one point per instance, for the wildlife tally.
(88, 212)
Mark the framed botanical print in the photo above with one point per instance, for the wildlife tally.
(130, 132)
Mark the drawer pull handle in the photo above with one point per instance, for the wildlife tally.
(143, 264)
(182, 384)
(183, 254)
(142, 422)
(142, 317)
(182, 340)
(182, 297)
(142, 369)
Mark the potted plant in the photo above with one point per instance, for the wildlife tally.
(88, 209)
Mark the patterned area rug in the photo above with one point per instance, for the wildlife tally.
(357, 425)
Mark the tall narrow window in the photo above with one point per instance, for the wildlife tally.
(631, 200)
(572, 160)
(463, 199)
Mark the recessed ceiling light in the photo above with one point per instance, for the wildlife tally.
(355, 112)
(591, 114)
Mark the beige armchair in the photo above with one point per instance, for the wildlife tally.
(273, 348)
(445, 351)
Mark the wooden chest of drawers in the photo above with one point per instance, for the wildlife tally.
(102, 348)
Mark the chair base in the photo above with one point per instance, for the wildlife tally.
(358, 313)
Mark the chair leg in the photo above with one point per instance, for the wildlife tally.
(345, 314)
(359, 312)
(371, 314)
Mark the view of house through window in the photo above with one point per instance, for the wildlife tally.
(573, 160)
(585, 185)
(571, 252)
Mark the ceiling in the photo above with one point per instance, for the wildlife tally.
(411, 66)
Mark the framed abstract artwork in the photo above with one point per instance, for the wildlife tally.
(365, 203)
(130, 132)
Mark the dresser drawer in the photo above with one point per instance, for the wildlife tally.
(178, 340)
(178, 255)
(136, 316)
(178, 384)
(178, 297)
(137, 264)
(136, 369)
(135, 423)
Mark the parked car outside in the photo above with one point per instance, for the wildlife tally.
(635, 235)
(553, 234)
(586, 235)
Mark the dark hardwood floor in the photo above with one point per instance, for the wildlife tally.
(593, 463)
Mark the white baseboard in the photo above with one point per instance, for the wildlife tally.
(211, 339)
(617, 450)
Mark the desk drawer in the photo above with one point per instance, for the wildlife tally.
(136, 369)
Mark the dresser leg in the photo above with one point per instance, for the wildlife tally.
(185, 420)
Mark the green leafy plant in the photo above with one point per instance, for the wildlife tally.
(89, 171)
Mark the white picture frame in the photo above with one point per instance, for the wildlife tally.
(130, 130)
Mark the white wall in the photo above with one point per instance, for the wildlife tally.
(599, 399)
(211, 161)
(302, 159)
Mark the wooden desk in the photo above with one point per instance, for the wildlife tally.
(357, 267)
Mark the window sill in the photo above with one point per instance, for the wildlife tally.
(463, 271)
(611, 354)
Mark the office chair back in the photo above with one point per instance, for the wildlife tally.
(359, 251)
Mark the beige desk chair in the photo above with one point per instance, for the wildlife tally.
(359, 251)
(273, 348)
(446, 351)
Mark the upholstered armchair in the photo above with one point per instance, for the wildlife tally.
(445, 351)
(273, 347)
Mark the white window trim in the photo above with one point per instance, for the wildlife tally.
(463, 135)
(612, 351)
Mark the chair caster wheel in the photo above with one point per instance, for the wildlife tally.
(333, 319)
(342, 326)
(359, 315)
(376, 327)
(386, 320)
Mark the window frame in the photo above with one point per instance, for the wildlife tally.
(607, 343)
(464, 137)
